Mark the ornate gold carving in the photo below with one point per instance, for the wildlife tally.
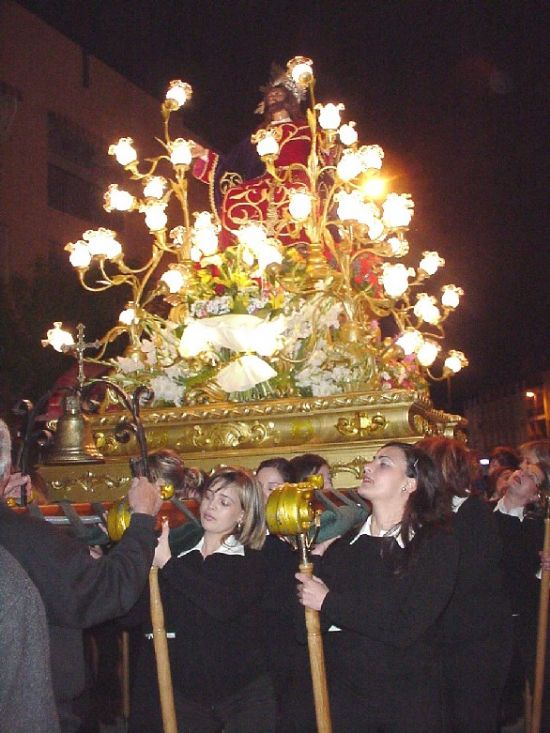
(355, 466)
(361, 425)
(233, 435)
(90, 483)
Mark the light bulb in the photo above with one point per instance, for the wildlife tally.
(128, 316)
(451, 296)
(371, 156)
(395, 278)
(399, 247)
(374, 187)
(267, 145)
(350, 206)
(173, 279)
(116, 199)
(79, 256)
(349, 166)
(410, 341)
(398, 210)
(431, 262)
(427, 353)
(155, 217)
(299, 205)
(124, 151)
(180, 152)
(102, 243)
(155, 187)
(300, 70)
(179, 92)
(455, 361)
(329, 115)
(426, 310)
(348, 134)
(58, 337)
(252, 235)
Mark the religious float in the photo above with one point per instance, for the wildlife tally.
(284, 320)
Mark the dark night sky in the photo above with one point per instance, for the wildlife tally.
(455, 92)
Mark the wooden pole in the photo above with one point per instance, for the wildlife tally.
(316, 656)
(125, 675)
(542, 632)
(166, 691)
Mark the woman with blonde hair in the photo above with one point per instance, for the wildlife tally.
(212, 595)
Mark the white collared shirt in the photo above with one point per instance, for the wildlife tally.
(516, 511)
(367, 529)
(231, 546)
(458, 501)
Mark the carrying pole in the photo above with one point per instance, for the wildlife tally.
(316, 653)
(161, 654)
(542, 631)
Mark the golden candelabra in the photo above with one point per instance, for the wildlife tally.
(291, 302)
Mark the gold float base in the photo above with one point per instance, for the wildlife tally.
(346, 429)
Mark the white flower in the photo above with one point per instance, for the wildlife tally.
(167, 390)
(128, 365)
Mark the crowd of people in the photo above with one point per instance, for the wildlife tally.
(426, 581)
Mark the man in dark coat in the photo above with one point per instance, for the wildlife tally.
(77, 590)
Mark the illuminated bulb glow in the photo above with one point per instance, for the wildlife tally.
(179, 92)
(300, 70)
(267, 145)
(395, 278)
(398, 210)
(128, 316)
(399, 247)
(299, 205)
(426, 310)
(173, 279)
(351, 207)
(348, 134)
(371, 156)
(410, 341)
(329, 115)
(349, 166)
(427, 353)
(102, 243)
(58, 338)
(451, 296)
(252, 236)
(124, 151)
(155, 217)
(455, 361)
(374, 188)
(80, 256)
(155, 187)
(431, 262)
(180, 152)
(116, 199)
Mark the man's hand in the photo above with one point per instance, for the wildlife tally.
(144, 497)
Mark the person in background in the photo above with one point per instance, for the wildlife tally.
(475, 631)
(77, 590)
(212, 603)
(498, 483)
(310, 464)
(26, 694)
(535, 451)
(273, 472)
(381, 592)
(503, 456)
(521, 527)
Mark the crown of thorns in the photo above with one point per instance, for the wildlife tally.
(281, 78)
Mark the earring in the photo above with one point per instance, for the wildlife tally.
(239, 526)
(403, 488)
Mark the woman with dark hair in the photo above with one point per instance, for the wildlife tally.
(475, 630)
(381, 593)
(503, 456)
(212, 602)
(273, 472)
(311, 464)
